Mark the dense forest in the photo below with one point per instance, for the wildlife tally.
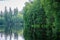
(42, 20)
(38, 20)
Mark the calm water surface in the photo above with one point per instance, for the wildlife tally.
(2, 37)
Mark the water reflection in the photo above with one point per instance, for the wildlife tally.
(13, 37)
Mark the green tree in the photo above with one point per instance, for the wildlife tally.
(15, 11)
(35, 21)
(51, 8)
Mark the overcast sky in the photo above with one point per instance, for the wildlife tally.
(13, 4)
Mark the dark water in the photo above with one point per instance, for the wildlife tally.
(3, 37)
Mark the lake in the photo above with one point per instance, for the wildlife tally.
(2, 37)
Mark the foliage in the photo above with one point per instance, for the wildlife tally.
(42, 20)
(11, 22)
(34, 23)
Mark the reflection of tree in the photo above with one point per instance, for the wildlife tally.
(16, 36)
(6, 29)
(5, 37)
(11, 21)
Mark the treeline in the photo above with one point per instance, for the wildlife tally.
(42, 20)
(11, 21)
